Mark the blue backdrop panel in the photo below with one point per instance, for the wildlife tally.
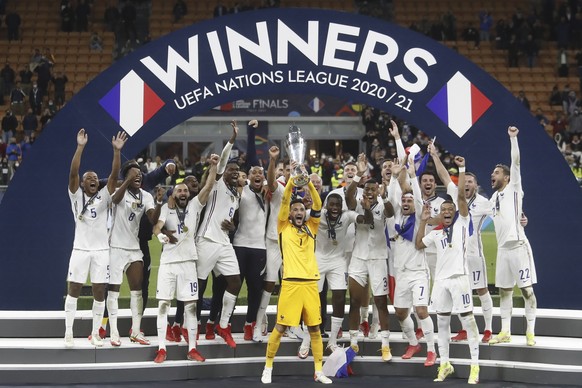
(248, 55)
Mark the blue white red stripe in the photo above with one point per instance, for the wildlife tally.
(459, 104)
(131, 103)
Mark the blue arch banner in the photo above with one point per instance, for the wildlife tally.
(280, 51)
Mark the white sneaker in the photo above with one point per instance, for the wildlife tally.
(266, 377)
(115, 340)
(303, 351)
(96, 340)
(69, 340)
(374, 328)
(319, 377)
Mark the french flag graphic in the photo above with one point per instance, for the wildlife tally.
(131, 103)
(316, 105)
(459, 104)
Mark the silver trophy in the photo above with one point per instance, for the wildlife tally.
(295, 146)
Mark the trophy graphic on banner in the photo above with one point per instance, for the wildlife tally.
(295, 146)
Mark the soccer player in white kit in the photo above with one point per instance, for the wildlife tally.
(480, 209)
(410, 267)
(451, 288)
(215, 252)
(369, 259)
(515, 263)
(177, 275)
(130, 204)
(90, 253)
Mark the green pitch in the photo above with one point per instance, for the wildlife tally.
(489, 247)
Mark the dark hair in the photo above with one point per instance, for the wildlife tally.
(371, 180)
(128, 166)
(504, 168)
(427, 173)
(297, 200)
(472, 175)
(336, 196)
(448, 201)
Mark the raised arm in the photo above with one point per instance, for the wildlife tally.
(400, 151)
(118, 142)
(461, 199)
(315, 198)
(368, 217)
(422, 227)
(362, 165)
(120, 192)
(252, 159)
(76, 162)
(440, 167)
(286, 200)
(210, 180)
(515, 170)
(159, 175)
(154, 214)
(272, 170)
(226, 151)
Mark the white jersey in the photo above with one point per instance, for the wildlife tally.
(126, 217)
(90, 219)
(221, 205)
(331, 236)
(370, 239)
(252, 218)
(184, 249)
(274, 205)
(480, 209)
(406, 256)
(450, 251)
(507, 205)
(351, 232)
(435, 209)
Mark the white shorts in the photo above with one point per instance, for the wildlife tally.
(515, 266)
(179, 279)
(215, 257)
(336, 273)
(274, 261)
(477, 272)
(452, 295)
(121, 259)
(377, 270)
(82, 263)
(412, 289)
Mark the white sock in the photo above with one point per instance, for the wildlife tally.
(161, 322)
(98, 310)
(531, 305)
(190, 324)
(228, 302)
(407, 327)
(472, 336)
(444, 324)
(487, 307)
(505, 307)
(70, 311)
(427, 326)
(336, 324)
(113, 309)
(136, 306)
(364, 314)
(306, 340)
(265, 299)
(353, 337)
(385, 335)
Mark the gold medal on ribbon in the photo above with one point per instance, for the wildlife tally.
(80, 217)
(184, 229)
(334, 242)
(134, 206)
